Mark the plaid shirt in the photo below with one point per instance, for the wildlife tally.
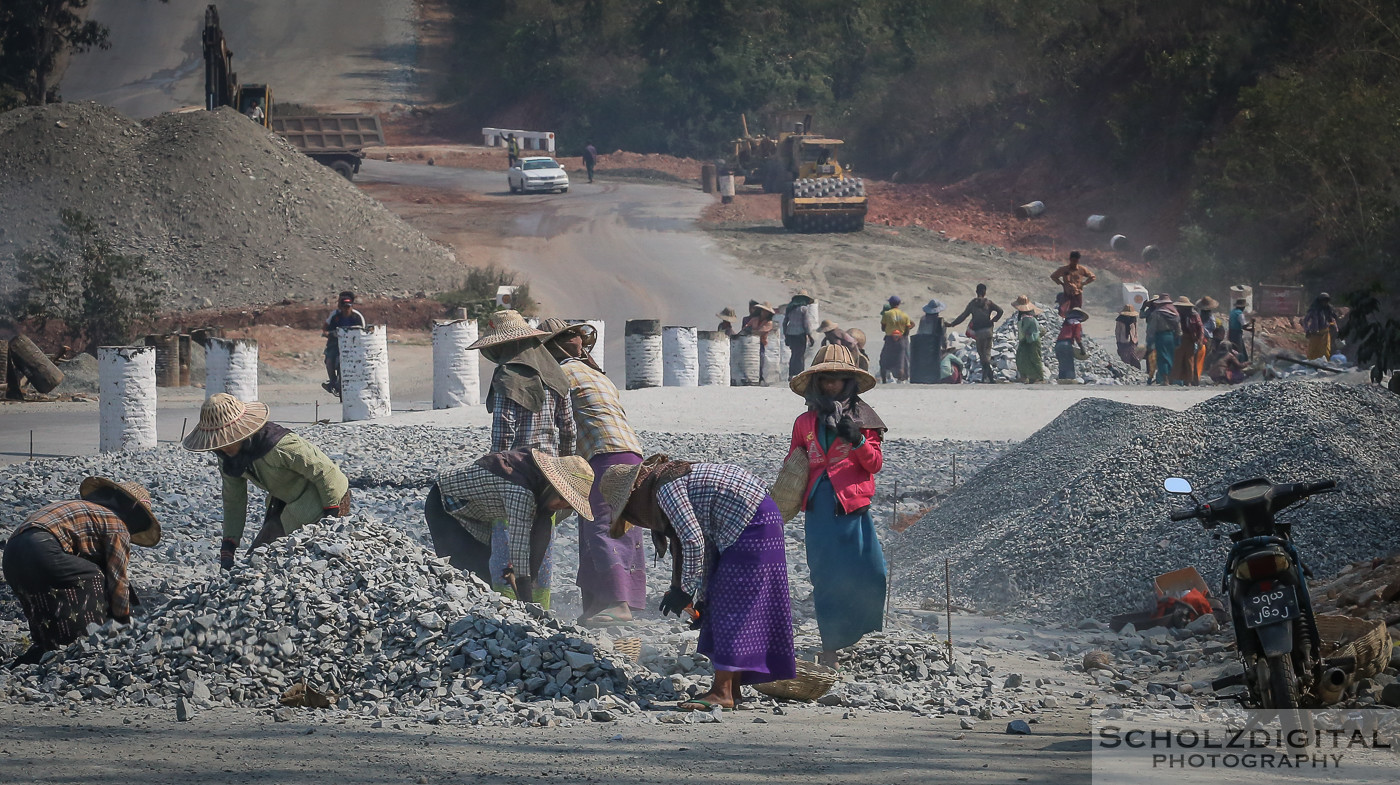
(709, 508)
(551, 429)
(602, 422)
(95, 533)
(478, 498)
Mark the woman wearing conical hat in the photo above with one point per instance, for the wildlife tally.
(841, 436)
(303, 484)
(1030, 363)
(495, 517)
(728, 569)
(529, 395)
(67, 563)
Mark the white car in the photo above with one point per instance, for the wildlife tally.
(539, 173)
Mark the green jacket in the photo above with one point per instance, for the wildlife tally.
(295, 472)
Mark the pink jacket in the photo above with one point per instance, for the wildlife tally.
(852, 471)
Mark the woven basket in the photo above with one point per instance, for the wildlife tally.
(1367, 640)
(631, 648)
(791, 484)
(812, 682)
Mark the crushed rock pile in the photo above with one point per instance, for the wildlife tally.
(225, 210)
(1073, 522)
(356, 609)
(1104, 366)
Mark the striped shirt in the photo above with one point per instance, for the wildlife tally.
(598, 413)
(477, 498)
(551, 429)
(709, 508)
(95, 533)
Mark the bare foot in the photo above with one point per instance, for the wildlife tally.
(827, 658)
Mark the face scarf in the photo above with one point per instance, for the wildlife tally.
(831, 408)
(254, 447)
(642, 507)
(524, 369)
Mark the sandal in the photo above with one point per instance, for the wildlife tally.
(605, 619)
(706, 705)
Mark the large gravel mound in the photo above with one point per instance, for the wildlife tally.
(1074, 521)
(224, 209)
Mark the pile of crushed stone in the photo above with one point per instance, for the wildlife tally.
(225, 210)
(1073, 521)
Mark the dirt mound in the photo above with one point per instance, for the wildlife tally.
(1074, 521)
(226, 211)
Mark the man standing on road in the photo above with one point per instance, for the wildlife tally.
(1073, 277)
(797, 330)
(512, 151)
(1237, 326)
(894, 357)
(344, 315)
(590, 158)
(985, 314)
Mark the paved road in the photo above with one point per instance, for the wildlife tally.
(325, 52)
(614, 251)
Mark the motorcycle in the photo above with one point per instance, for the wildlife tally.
(1266, 584)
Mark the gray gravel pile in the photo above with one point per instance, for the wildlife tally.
(225, 210)
(1074, 521)
(356, 609)
(1103, 366)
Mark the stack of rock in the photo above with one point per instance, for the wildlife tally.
(1103, 366)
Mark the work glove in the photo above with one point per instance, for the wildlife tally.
(226, 548)
(675, 601)
(847, 429)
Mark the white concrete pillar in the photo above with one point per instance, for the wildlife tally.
(643, 353)
(231, 366)
(680, 357)
(713, 357)
(364, 372)
(126, 382)
(456, 369)
(743, 362)
(775, 354)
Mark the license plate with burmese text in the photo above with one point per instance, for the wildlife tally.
(1279, 603)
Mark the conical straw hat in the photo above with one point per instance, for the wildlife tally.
(728, 315)
(140, 499)
(225, 420)
(507, 326)
(833, 358)
(617, 486)
(827, 326)
(1024, 305)
(571, 476)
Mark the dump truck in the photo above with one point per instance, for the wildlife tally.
(334, 140)
(819, 195)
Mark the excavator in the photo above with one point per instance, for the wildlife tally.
(819, 195)
(334, 140)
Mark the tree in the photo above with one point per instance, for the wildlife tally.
(80, 280)
(33, 35)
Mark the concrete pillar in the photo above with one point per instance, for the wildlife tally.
(456, 369)
(126, 382)
(680, 357)
(364, 372)
(743, 361)
(713, 357)
(231, 366)
(643, 353)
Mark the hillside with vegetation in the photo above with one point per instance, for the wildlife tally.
(1262, 133)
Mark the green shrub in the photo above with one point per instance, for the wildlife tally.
(477, 292)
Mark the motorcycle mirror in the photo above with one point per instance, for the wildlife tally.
(1177, 485)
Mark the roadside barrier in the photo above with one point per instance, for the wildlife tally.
(644, 353)
(364, 372)
(231, 366)
(744, 361)
(540, 141)
(775, 354)
(680, 357)
(712, 357)
(456, 369)
(126, 383)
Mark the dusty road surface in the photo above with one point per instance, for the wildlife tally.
(332, 53)
(805, 746)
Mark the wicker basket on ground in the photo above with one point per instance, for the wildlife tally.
(812, 682)
(631, 648)
(1367, 640)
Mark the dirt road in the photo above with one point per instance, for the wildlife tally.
(333, 53)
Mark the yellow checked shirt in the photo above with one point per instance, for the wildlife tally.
(598, 413)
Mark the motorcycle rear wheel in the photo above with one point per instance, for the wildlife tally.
(1284, 696)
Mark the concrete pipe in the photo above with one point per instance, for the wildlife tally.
(231, 366)
(1118, 243)
(31, 362)
(1099, 223)
(4, 366)
(456, 369)
(680, 357)
(364, 372)
(1031, 209)
(185, 351)
(744, 361)
(712, 350)
(643, 347)
(167, 359)
(708, 178)
(126, 384)
(1151, 253)
(775, 355)
(726, 188)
